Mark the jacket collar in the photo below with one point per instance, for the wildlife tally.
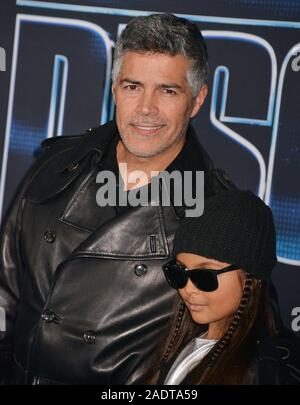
(191, 158)
(96, 139)
(67, 163)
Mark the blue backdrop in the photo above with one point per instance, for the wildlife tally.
(57, 81)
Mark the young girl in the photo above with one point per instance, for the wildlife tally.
(222, 263)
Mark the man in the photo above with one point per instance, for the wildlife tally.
(85, 297)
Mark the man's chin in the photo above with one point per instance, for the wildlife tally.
(142, 153)
(141, 149)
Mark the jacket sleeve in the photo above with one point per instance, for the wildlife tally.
(11, 271)
(11, 263)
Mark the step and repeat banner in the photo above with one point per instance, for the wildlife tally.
(55, 62)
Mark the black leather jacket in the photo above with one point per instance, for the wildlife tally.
(275, 360)
(85, 298)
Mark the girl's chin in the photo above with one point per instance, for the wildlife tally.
(200, 318)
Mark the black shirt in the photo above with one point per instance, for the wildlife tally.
(187, 157)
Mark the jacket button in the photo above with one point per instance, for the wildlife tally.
(73, 167)
(48, 316)
(89, 337)
(226, 177)
(140, 269)
(49, 236)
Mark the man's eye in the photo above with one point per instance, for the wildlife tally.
(169, 91)
(131, 87)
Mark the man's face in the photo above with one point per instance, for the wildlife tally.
(154, 102)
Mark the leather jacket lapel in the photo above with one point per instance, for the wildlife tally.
(147, 241)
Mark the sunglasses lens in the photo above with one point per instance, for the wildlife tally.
(175, 275)
(204, 280)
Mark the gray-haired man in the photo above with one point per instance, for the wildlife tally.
(82, 286)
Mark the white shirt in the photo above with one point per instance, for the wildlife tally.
(188, 358)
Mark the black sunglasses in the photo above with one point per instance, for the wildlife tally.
(177, 276)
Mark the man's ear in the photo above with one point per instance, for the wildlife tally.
(113, 92)
(199, 100)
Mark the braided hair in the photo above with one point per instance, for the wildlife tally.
(230, 358)
(224, 341)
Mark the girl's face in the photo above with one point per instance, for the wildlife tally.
(216, 306)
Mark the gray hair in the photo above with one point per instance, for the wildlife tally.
(165, 33)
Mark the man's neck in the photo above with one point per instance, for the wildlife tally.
(148, 165)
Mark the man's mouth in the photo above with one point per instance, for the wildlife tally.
(146, 129)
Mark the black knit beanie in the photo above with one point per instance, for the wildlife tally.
(236, 227)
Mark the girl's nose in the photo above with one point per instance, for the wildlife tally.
(191, 288)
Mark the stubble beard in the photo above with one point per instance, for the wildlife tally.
(155, 152)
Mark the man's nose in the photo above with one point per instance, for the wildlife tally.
(147, 104)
